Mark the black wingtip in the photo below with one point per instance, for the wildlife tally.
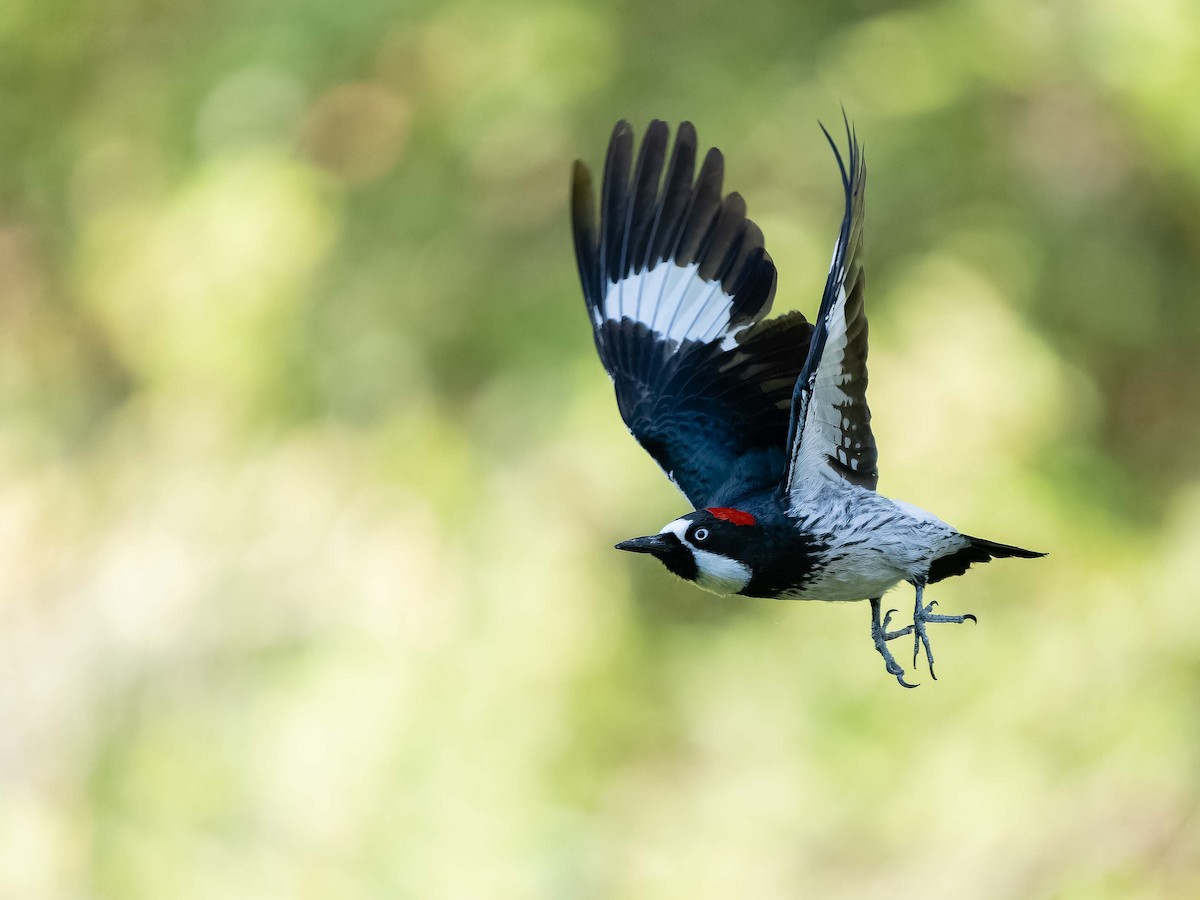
(849, 172)
(581, 180)
(583, 206)
(685, 134)
(583, 230)
(621, 140)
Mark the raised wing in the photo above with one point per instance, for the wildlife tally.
(677, 281)
(830, 432)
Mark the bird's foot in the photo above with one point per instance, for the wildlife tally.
(923, 615)
(880, 635)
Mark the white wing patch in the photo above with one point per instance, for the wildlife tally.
(673, 301)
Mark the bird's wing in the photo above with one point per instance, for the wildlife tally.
(677, 283)
(830, 432)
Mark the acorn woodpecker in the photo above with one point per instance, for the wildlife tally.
(761, 423)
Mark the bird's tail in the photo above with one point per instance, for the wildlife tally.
(977, 551)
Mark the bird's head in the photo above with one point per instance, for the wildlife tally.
(708, 546)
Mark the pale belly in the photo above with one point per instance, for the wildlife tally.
(845, 585)
(860, 573)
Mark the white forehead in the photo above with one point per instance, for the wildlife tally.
(678, 528)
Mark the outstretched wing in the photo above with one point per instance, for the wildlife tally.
(677, 283)
(830, 433)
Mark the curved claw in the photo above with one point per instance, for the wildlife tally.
(932, 604)
(903, 683)
(971, 617)
(887, 618)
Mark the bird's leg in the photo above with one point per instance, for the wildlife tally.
(881, 636)
(923, 615)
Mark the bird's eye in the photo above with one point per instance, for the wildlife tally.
(700, 534)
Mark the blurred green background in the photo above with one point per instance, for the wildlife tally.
(309, 477)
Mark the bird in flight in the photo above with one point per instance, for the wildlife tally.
(762, 423)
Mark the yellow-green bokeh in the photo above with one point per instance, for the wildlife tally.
(309, 477)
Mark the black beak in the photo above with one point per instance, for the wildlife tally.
(658, 544)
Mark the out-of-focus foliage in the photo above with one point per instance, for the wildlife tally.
(309, 477)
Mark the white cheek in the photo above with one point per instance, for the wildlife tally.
(715, 573)
(720, 574)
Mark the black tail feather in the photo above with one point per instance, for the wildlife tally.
(978, 551)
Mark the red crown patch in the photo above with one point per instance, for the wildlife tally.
(736, 516)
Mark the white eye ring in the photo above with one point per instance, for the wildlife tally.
(701, 534)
